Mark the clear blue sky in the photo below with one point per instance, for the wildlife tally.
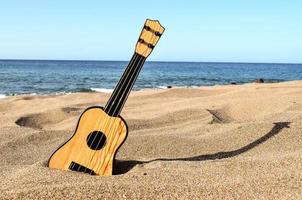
(204, 30)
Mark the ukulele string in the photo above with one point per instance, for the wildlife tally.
(124, 74)
(119, 101)
(97, 124)
(140, 67)
(114, 130)
(136, 73)
(107, 124)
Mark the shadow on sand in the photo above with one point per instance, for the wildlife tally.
(123, 166)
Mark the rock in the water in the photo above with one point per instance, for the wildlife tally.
(233, 83)
(260, 80)
(169, 86)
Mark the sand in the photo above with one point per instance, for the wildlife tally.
(219, 142)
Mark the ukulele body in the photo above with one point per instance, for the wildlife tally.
(93, 146)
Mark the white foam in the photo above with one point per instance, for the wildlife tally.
(104, 90)
(162, 87)
(2, 96)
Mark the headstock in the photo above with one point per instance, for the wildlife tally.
(149, 37)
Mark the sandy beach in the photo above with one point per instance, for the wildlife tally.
(219, 142)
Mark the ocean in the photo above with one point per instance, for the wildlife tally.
(56, 77)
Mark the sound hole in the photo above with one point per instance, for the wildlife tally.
(96, 140)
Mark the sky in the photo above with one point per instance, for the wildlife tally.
(201, 30)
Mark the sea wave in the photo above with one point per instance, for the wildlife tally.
(104, 90)
(162, 87)
(2, 96)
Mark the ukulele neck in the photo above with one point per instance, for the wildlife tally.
(148, 38)
(122, 90)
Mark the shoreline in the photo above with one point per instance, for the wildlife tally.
(109, 91)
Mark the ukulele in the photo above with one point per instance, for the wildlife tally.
(101, 131)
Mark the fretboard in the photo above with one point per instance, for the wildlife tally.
(122, 90)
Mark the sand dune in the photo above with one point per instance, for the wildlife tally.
(220, 142)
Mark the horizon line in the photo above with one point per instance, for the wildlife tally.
(78, 60)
